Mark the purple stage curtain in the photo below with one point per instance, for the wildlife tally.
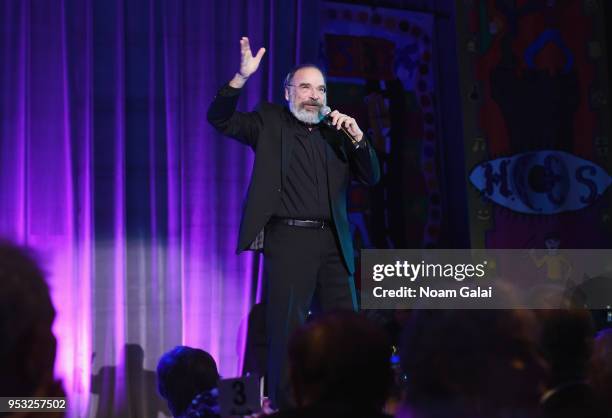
(109, 170)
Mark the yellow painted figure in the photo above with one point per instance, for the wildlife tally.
(557, 266)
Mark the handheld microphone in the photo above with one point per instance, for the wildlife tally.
(324, 112)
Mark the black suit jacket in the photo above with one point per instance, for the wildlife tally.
(263, 130)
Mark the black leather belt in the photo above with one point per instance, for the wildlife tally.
(304, 223)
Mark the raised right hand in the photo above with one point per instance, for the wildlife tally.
(248, 62)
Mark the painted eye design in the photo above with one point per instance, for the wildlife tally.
(541, 182)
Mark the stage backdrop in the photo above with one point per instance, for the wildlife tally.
(381, 68)
(536, 122)
(110, 171)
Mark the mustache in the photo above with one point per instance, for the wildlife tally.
(311, 103)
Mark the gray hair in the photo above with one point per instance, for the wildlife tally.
(295, 69)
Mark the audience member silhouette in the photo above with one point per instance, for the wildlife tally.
(256, 347)
(566, 343)
(127, 390)
(600, 374)
(187, 378)
(339, 367)
(27, 345)
(471, 364)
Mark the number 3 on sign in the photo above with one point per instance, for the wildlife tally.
(240, 396)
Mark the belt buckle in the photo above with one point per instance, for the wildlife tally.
(323, 224)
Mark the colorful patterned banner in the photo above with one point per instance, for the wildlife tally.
(536, 122)
(379, 67)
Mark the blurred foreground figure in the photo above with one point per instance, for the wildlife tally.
(187, 378)
(27, 345)
(471, 364)
(600, 375)
(566, 342)
(339, 366)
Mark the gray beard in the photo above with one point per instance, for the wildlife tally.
(303, 115)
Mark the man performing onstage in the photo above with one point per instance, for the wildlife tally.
(296, 205)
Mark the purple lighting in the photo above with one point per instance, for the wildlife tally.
(111, 173)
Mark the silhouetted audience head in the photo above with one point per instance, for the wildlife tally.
(566, 342)
(600, 374)
(188, 375)
(471, 363)
(134, 357)
(340, 357)
(27, 344)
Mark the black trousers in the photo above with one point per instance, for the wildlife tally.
(299, 263)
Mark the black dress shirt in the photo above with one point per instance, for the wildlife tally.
(305, 192)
